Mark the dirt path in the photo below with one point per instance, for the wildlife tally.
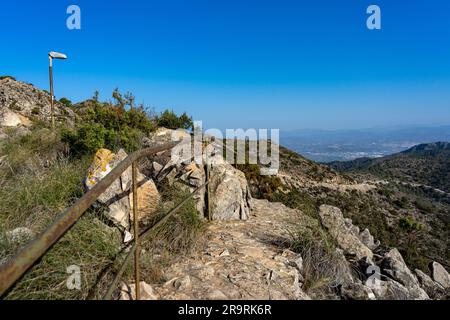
(239, 260)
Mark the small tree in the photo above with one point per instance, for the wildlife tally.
(66, 102)
(170, 120)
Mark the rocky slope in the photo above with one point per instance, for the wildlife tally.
(424, 164)
(255, 258)
(20, 102)
(322, 235)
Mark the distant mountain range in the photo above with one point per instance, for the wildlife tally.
(425, 164)
(342, 145)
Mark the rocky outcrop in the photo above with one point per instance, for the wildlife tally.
(24, 100)
(230, 193)
(346, 235)
(395, 268)
(432, 288)
(368, 239)
(9, 118)
(440, 275)
(395, 280)
(118, 197)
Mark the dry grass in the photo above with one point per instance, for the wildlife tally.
(323, 268)
(36, 185)
(175, 238)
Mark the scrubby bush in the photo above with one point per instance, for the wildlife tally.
(116, 125)
(66, 102)
(323, 268)
(170, 120)
(409, 224)
(7, 77)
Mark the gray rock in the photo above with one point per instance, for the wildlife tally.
(128, 292)
(117, 197)
(368, 239)
(230, 194)
(20, 235)
(183, 283)
(395, 267)
(440, 275)
(333, 220)
(432, 288)
(156, 167)
(390, 290)
(356, 291)
(9, 118)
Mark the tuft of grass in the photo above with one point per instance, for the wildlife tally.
(30, 152)
(89, 245)
(32, 193)
(323, 268)
(175, 238)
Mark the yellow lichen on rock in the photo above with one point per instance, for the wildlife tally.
(100, 166)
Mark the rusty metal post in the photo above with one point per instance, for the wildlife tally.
(136, 232)
(14, 268)
(51, 92)
(208, 190)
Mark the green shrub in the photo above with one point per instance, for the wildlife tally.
(86, 139)
(262, 186)
(35, 110)
(323, 269)
(170, 120)
(108, 125)
(7, 77)
(409, 224)
(66, 102)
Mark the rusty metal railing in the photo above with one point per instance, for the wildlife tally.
(16, 267)
(134, 248)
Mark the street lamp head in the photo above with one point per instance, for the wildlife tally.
(57, 55)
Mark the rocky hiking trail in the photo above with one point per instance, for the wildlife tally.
(244, 259)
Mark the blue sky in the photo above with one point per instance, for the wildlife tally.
(261, 64)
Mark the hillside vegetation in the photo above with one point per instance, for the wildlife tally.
(42, 173)
(426, 164)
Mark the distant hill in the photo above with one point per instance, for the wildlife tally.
(345, 145)
(426, 164)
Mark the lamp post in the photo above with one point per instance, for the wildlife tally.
(53, 55)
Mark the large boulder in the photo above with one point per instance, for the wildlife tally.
(432, 288)
(9, 118)
(118, 196)
(440, 275)
(395, 268)
(230, 193)
(345, 235)
(389, 290)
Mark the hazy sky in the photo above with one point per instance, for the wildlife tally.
(240, 63)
